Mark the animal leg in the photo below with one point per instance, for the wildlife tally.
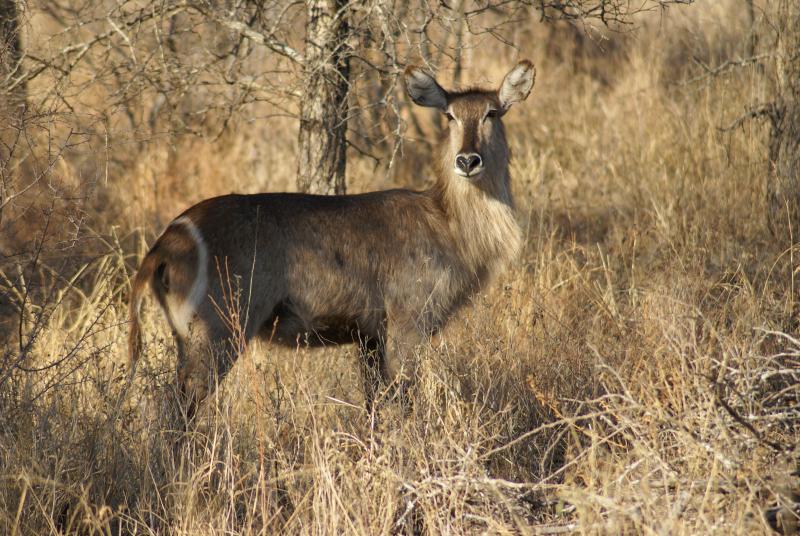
(204, 358)
(403, 341)
(373, 365)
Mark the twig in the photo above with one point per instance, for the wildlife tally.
(749, 427)
(769, 110)
(556, 529)
(724, 66)
(265, 40)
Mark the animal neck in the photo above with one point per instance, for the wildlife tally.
(480, 216)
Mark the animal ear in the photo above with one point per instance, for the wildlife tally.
(423, 89)
(517, 84)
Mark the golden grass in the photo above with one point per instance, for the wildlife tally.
(631, 373)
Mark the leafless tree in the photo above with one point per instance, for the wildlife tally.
(783, 189)
(773, 46)
(10, 49)
(323, 105)
(13, 98)
(317, 60)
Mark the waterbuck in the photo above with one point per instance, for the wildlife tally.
(384, 270)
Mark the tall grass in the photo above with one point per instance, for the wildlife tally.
(633, 372)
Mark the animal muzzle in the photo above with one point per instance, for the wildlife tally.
(468, 164)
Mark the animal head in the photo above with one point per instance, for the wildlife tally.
(474, 143)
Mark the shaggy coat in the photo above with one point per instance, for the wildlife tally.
(383, 269)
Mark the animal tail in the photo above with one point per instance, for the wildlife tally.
(143, 277)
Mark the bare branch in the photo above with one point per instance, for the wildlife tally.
(261, 39)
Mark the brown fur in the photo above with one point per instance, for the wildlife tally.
(383, 269)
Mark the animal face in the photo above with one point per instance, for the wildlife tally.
(475, 139)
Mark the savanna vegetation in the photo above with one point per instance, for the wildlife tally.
(635, 371)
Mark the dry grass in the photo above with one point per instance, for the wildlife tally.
(633, 372)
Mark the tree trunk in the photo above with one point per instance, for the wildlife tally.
(12, 98)
(783, 188)
(10, 53)
(752, 38)
(458, 53)
(324, 103)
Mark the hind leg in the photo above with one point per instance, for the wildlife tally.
(217, 336)
(205, 355)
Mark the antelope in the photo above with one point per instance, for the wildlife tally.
(384, 270)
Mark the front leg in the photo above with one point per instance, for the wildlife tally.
(372, 356)
(403, 341)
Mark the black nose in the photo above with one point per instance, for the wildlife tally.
(468, 162)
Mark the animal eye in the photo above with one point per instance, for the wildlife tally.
(449, 116)
(491, 113)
